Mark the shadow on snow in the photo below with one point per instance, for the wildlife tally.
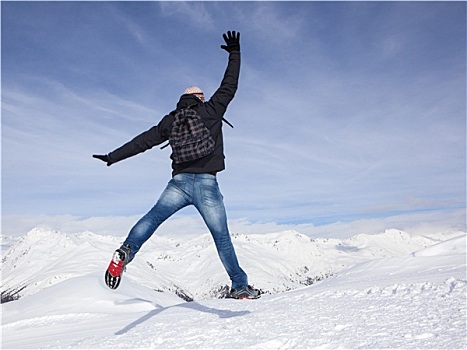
(191, 305)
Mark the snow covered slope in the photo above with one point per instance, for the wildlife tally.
(190, 268)
(410, 300)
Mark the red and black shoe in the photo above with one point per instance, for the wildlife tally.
(114, 272)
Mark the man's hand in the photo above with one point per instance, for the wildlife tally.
(232, 39)
(103, 157)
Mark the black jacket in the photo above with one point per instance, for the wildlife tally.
(211, 112)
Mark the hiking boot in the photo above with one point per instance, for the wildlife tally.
(114, 272)
(245, 293)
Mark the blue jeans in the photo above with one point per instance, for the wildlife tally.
(202, 191)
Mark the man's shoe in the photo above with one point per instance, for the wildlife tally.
(245, 293)
(114, 272)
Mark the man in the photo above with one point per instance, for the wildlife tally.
(193, 182)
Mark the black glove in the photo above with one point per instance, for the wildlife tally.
(232, 39)
(103, 157)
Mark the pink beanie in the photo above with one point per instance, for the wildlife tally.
(193, 90)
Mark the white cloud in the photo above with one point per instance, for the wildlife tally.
(270, 25)
(192, 224)
(192, 13)
(323, 129)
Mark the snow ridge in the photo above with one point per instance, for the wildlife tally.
(190, 269)
(408, 300)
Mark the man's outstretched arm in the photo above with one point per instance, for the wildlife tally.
(146, 140)
(228, 87)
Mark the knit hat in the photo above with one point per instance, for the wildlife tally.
(194, 90)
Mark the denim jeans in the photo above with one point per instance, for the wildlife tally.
(202, 191)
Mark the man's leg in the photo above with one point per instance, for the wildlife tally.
(170, 201)
(210, 204)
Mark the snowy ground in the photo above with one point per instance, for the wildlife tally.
(405, 300)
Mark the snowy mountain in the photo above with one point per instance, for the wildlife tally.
(275, 262)
(386, 290)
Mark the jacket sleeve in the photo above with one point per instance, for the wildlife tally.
(144, 141)
(218, 103)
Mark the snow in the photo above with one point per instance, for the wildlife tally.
(391, 290)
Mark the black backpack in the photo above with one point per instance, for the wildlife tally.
(189, 138)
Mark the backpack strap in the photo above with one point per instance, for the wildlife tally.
(227, 122)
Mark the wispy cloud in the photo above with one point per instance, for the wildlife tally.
(416, 224)
(272, 24)
(194, 13)
(344, 110)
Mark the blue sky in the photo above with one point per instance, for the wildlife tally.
(345, 111)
